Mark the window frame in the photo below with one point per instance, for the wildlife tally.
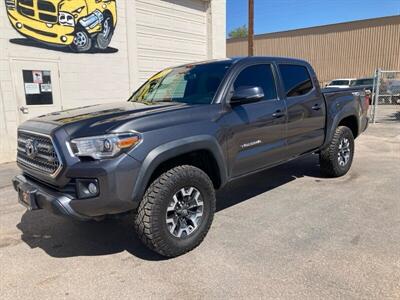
(274, 75)
(283, 83)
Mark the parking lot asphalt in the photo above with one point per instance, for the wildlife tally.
(282, 233)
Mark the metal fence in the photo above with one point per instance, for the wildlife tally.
(386, 96)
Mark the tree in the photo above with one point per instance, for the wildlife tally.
(240, 32)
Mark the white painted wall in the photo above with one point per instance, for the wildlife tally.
(150, 35)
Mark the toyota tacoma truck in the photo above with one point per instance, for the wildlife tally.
(80, 24)
(184, 134)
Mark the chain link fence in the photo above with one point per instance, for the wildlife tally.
(386, 96)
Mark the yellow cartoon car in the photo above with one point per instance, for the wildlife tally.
(80, 24)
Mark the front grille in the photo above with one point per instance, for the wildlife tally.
(47, 11)
(48, 18)
(46, 6)
(26, 2)
(26, 11)
(44, 157)
(41, 10)
(10, 4)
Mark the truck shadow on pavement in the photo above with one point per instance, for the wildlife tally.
(60, 237)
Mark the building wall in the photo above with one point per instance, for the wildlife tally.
(150, 35)
(353, 49)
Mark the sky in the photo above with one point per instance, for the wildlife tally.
(281, 15)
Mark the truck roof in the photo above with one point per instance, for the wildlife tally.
(274, 58)
(237, 59)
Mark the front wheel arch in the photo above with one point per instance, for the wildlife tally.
(169, 151)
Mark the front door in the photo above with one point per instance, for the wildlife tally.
(257, 129)
(37, 88)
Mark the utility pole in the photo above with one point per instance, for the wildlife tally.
(250, 35)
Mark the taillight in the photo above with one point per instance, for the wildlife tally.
(367, 100)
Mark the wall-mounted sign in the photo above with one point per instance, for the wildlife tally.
(38, 90)
(32, 88)
(45, 87)
(37, 76)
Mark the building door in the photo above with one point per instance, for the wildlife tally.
(37, 87)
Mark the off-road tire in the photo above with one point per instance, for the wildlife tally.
(328, 158)
(103, 41)
(82, 47)
(150, 220)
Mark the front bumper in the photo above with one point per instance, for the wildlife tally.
(116, 178)
(45, 198)
(38, 30)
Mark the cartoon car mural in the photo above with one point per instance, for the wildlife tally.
(80, 24)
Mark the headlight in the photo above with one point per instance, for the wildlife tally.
(66, 19)
(104, 146)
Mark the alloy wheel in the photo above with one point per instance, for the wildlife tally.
(184, 212)
(344, 152)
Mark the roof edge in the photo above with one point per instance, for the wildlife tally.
(309, 29)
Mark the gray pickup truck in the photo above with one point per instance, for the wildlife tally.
(183, 134)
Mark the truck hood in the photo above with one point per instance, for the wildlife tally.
(102, 118)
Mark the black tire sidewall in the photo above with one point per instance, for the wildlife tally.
(208, 198)
(88, 46)
(344, 132)
(99, 43)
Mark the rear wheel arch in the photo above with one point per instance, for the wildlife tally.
(350, 122)
(346, 118)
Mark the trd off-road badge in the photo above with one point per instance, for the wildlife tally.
(81, 25)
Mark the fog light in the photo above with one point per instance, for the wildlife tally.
(19, 25)
(63, 38)
(49, 25)
(87, 188)
(92, 188)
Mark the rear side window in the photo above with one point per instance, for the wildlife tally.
(258, 75)
(296, 80)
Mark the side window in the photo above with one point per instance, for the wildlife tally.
(258, 75)
(296, 80)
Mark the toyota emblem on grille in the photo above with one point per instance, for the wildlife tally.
(31, 148)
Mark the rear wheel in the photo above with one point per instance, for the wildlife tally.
(337, 158)
(176, 211)
(103, 38)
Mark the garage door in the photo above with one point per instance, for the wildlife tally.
(170, 32)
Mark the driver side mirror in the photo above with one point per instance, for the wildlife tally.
(247, 94)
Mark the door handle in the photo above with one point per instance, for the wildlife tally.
(24, 110)
(316, 107)
(278, 114)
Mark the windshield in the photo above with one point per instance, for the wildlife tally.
(339, 82)
(365, 81)
(192, 84)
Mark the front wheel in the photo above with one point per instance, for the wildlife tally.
(176, 211)
(337, 158)
(82, 41)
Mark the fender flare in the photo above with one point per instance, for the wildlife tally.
(173, 149)
(333, 123)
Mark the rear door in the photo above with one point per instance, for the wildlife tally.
(305, 109)
(257, 130)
